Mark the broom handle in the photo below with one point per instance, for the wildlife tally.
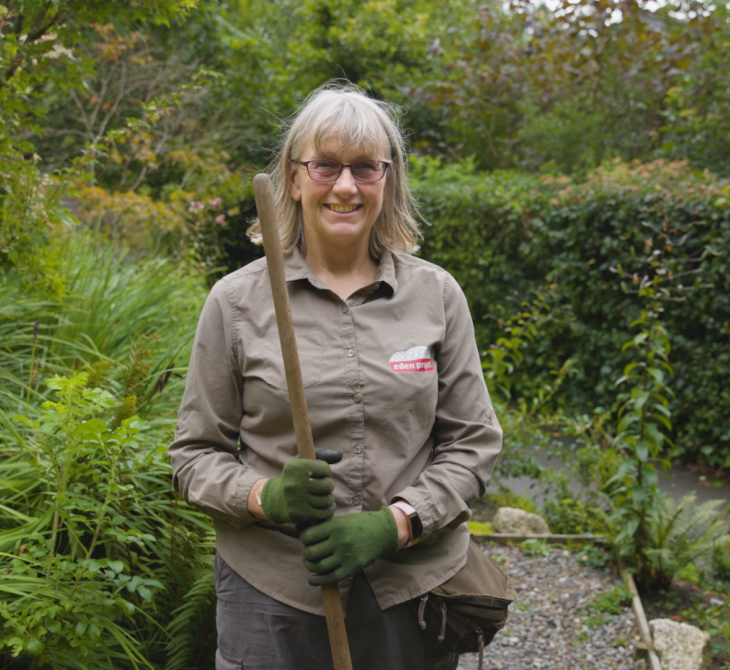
(264, 195)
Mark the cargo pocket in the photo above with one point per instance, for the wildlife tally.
(310, 360)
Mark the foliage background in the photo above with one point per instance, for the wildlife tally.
(571, 162)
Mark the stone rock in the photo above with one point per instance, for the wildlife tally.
(680, 646)
(519, 522)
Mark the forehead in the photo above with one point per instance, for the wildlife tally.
(331, 141)
(345, 152)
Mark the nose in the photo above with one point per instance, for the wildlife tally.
(345, 182)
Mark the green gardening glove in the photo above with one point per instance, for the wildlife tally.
(303, 493)
(346, 544)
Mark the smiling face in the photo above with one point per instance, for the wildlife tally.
(338, 215)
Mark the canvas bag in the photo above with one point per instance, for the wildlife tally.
(466, 611)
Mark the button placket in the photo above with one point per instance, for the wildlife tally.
(356, 414)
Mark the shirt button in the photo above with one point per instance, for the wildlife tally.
(376, 286)
(356, 501)
(351, 353)
(344, 309)
(357, 448)
(357, 397)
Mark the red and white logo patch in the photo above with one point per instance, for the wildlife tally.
(415, 359)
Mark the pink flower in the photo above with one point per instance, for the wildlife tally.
(221, 218)
(216, 202)
(196, 206)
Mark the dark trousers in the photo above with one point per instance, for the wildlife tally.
(256, 632)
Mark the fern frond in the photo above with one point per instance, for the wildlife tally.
(192, 629)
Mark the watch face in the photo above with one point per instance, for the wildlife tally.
(416, 525)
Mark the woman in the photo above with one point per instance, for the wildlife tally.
(393, 382)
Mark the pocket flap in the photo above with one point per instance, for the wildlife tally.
(481, 576)
(310, 360)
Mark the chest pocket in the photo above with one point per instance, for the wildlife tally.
(310, 360)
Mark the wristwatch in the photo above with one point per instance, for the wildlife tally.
(415, 527)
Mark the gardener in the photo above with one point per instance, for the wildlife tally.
(393, 382)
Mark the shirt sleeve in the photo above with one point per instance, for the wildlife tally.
(207, 471)
(467, 435)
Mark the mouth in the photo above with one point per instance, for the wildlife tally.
(343, 209)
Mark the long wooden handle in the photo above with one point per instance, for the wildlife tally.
(264, 195)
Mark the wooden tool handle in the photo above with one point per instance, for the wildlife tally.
(264, 195)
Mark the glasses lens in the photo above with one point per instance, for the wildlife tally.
(324, 170)
(368, 170)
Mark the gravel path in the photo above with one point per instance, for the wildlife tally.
(550, 627)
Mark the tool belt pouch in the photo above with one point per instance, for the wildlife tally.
(466, 612)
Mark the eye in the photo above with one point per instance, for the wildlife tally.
(325, 165)
(367, 165)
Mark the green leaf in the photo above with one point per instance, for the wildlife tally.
(651, 477)
(663, 420)
(638, 494)
(626, 421)
(34, 647)
(656, 374)
(117, 566)
(640, 398)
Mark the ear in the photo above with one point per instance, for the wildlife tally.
(294, 189)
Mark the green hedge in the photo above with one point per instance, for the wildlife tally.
(508, 237)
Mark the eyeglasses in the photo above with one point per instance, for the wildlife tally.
(329, 171)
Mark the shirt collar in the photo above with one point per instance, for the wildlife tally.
(386, 272)
(296, 268)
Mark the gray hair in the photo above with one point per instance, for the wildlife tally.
(347, 113)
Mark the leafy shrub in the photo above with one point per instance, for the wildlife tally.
(567, 513)
(505, 235)
(30, 208)
(594, 556)
(537, 548)
(505, 498)
(721, 561)
(612, 601)
(75, 579)
(97, 552)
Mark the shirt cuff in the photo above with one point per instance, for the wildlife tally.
(414, 499)
(408, 510)
(243, 488)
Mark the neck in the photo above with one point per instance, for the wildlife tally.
(344, 270)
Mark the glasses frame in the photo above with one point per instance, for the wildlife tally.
(342, 167)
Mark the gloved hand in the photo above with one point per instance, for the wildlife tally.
(303, 493)
(346, 544)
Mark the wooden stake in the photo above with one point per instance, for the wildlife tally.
(503, 538)
(264, 194)
(644, 630)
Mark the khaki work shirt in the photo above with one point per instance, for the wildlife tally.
(393, 380)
